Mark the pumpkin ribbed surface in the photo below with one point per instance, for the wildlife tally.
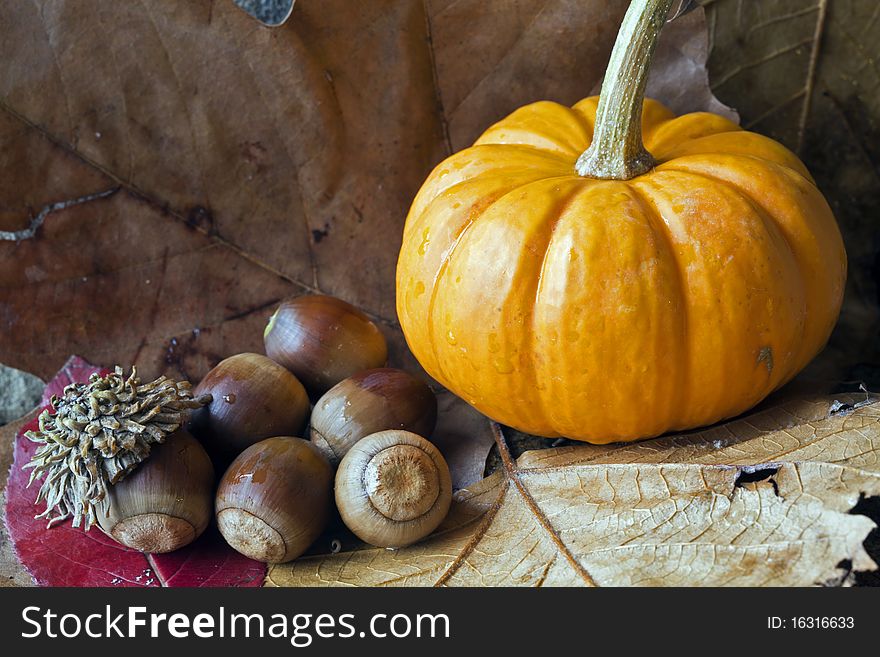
(606, 310)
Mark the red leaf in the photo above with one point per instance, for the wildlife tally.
(208, 562)
(75, 370)
(64, 556)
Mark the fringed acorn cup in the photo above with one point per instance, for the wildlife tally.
(97, 434)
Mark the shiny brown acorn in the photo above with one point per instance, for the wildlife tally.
(253, 398)
(323, 340)
(275, 499)
(393, 488)
(167, 502)
(369, 402)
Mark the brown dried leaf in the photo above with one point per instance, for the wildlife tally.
(464, 437)
(171, 170)
(250, 164)
(806, 72)
(842, 430)
(679, 75)
(662, 512)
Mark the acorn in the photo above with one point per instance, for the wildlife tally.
(99, 432)
(323, 340)
(167, 502)
(369, 402)
(253, 398)
(275, 499)
(393, 488)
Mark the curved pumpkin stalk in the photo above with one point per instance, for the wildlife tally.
(617, 151)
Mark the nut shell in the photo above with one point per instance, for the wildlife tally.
(393, 488)
(275, 499)
(167, 502)
(323, 340)
(369, 402)
(253, 398)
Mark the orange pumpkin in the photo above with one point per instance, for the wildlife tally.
(606, 302)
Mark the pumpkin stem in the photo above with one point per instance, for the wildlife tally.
(617, 151)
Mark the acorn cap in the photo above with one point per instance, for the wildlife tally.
(97, 433)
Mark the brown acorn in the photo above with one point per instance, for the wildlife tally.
(323, 340)
(369, 402)
(275, 499)
(167, 502)
(393, 488)
(253, 398)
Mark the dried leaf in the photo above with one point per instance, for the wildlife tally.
(661, 512)
(679, 74)
(806, 73)
(250, 165)
(464, 437)
(181, 168)
(842, 430)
